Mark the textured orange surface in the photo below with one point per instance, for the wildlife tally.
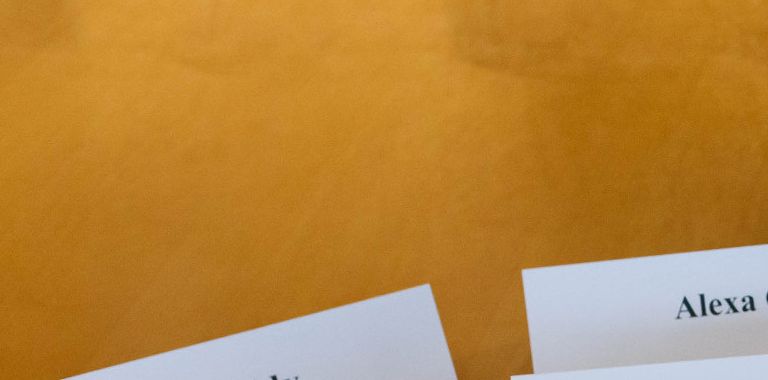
(175, 171)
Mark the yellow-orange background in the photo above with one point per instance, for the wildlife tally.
(175, 171)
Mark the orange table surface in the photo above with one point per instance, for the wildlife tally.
(176, 171)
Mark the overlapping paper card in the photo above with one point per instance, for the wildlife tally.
(741, 368)
(397, 336)
(658, 309)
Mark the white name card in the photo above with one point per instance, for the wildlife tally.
(669, 308)
(397, 336)
(742, 368)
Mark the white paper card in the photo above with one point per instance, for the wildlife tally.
(742, 368)
(392, 337)
(669, 308)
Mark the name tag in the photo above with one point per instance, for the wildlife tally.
(658, 309)
(397, 336)
(742, 368)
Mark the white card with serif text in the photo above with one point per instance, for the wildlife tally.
(396, 336)
(658, 309)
